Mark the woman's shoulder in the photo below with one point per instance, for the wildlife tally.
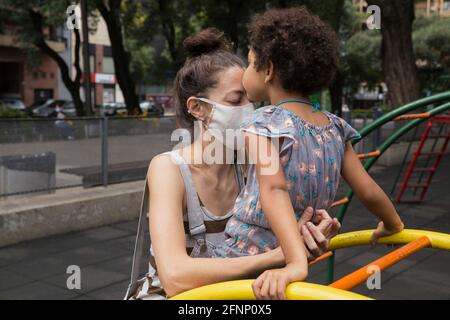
(163, 164)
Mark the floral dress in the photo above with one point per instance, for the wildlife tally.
(311, 157)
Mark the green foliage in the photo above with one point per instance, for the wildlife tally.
(431, 39)
(142, 62)
(6, 112)
(362, 59)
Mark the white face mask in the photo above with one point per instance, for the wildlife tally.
(225, 118)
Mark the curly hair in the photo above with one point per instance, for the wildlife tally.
(301, 47)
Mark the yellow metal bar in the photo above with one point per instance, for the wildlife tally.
(242, 290)
(357, 238)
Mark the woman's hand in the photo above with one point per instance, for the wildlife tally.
(316, 230)
(271, 285)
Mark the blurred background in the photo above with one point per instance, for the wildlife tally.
(86, 101)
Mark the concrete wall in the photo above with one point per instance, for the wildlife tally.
(67, 211)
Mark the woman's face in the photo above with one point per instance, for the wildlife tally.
(229, 91)
(253, 80)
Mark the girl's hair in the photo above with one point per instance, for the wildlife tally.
(208, 52)
(301, 47)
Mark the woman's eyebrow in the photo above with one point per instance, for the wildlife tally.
(239, 92)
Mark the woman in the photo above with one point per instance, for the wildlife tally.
(191, 203)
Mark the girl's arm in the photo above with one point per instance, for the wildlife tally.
(277, 207)
(371, 195)
(177, 271)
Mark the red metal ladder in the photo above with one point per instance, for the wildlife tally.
(443, 133)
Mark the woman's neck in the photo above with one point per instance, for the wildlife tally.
(195, 156)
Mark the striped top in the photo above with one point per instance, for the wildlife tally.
(197, 243)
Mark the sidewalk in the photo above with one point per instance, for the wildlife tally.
(37, 269)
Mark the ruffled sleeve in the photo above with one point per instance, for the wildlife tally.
(272, 123)
(348, 133)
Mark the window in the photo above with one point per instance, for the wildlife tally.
(108, 65)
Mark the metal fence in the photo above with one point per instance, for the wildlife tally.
(42, 155)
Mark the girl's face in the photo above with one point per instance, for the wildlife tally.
(254, 81)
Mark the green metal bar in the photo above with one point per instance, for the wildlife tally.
(375, 125)
(402, 110)
(386, 144)
(330, 269)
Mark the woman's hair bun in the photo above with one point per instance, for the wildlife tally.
(207, 41)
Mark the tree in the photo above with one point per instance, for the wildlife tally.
(111, 12)
(362, 62)
(32, 18)
(399, 63)
(431, 38)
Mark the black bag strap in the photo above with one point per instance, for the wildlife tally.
(139, 244)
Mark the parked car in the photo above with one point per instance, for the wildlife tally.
(13, 103)
(153, 109)
(113, 109)
(68, 109)
(46, 109)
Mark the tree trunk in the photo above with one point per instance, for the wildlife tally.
(73, 86)
(399, 63)
(336, 94)
(110, 11)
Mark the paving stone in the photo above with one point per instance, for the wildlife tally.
(130, 226)
(10, 280)
(92, 278)
(408, 287)
(113, 292)
(37, 291)
(49, 265)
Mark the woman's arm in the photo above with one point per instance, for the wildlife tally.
(370, 194)
(177, 271)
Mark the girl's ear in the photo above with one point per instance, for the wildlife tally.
(269, 73)
(196, 109)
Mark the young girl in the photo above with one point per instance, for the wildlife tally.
(292, 55)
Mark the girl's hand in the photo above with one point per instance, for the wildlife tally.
(271, 285)
(383, 231)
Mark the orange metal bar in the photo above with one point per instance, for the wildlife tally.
(355, 278)
(412, 116)
(369, 155)
(322, 257)
(339, 202)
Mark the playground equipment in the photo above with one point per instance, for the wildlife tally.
(441, 123)
(415, 240)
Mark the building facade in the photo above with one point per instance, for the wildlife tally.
(20, 80)
(30, 84)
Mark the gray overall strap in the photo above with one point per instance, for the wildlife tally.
(239, 176)
(139, 244)
(194, 209)
(193, 204)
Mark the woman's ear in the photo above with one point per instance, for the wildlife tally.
(269, 74)
(195, 108)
